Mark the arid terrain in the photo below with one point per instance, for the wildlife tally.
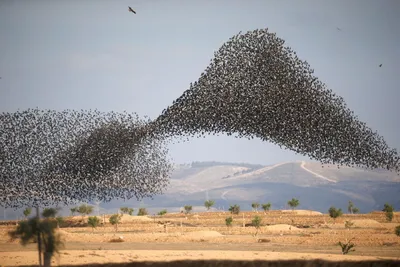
(283, 235)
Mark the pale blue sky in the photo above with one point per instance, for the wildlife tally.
(95, 54)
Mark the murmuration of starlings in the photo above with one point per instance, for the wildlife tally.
(254, 87)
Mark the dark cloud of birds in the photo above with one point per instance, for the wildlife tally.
(255, 87)
(49, 157)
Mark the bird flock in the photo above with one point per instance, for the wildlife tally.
(50, 157)
(254, 87)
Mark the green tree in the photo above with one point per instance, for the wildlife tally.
(255, 206)
(127, 210)
(85, 210)
(130, 211)
(28, 231)
(124, 210)
(266, 207)
(49, 212)
(388, 209)
(256, 222)
(188, 209)
(293, 203)
(162, 212)
(334, 213)
(235, 209)
(93, 221)
(27, 212)
(351, 208)
(142, 212)
(115, 220)
(209, 203)
(73, 210)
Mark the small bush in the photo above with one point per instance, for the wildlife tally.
(256, 222)
(397, 230)
(347, 247)
(389, 216)
(142, 212)
(348, 224)
(334, 213)
(93, 221)
(228, 221)
(117, 240)
(188, 209)
(162, 212)
(60, 221)
(235, 209)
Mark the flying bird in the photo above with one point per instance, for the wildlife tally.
(338, 29)
(380, 65)
(131, 10)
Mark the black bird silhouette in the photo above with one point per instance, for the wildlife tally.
(131, 10)
(380, 65)
(338, 29)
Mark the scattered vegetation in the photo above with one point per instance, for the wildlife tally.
(228, 221)
(256, 222)
(293, 203)
(235, 209)
(85, 209)
(334, 213)
(397, 230)
(266, 207)
(351, 208)
(255, 206)
(347, 247)
(348, 224)
(142, 212)
(115, 219)
(388, 209)
(209, 203)
(93, 221)
(126, 210)
(162, 212)
(188, 209)
(27, 212)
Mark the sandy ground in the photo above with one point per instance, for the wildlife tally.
(73, 257)
(288, 235)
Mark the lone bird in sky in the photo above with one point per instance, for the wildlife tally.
(131, 10)
(380, 65)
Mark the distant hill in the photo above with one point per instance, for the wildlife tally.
(317, 187)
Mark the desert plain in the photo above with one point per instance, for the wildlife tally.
(283, 235)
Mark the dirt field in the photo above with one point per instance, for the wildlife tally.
(303, 235)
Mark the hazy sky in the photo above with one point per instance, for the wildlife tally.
(95, 54)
